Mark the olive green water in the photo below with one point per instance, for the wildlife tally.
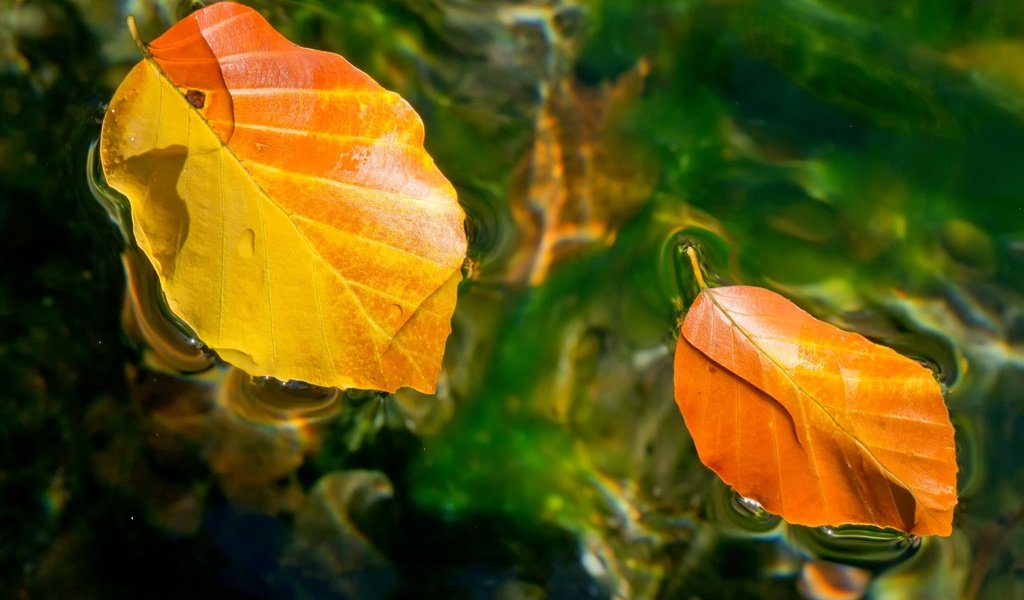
(865, 159)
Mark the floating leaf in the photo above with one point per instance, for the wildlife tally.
(817, 424)
(293, 217)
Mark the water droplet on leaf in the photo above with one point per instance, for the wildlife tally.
(247, 244)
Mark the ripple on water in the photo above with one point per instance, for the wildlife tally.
(172, 346)
(489, 232)
(858, 545)
(271, 402)
(740, 516)
(675, 275)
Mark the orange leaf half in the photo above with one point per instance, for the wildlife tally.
(287, 203)
(819, 425)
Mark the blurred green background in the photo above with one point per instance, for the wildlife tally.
(865, 159)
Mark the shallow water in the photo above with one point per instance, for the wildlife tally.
(858, 157)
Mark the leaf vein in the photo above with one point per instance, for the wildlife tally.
(366, 139)
(888, 416)
(266, 268)
(435, 206)
(363, 239)
(320, 316)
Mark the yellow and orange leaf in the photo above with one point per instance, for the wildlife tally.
(285, 198)
(819, 425)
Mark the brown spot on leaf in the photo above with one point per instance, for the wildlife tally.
(196, 98)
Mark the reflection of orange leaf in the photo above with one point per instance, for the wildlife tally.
(833, 581)
(293, 217)
(819, 425)
(578, 182)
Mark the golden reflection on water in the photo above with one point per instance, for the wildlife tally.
(825, 580)
(146, 320)
(266, 401)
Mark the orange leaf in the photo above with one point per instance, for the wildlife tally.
(819, 425)
(286, 201)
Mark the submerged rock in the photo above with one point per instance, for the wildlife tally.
(329, 554)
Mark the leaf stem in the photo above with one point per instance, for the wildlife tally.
(134, 31)
(691, 253)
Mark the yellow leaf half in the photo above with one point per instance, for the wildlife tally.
(305, 252)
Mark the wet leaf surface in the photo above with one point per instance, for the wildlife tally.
(817, 424)
(285, 199)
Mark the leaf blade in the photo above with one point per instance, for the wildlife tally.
(291, 206)
(832, 385)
